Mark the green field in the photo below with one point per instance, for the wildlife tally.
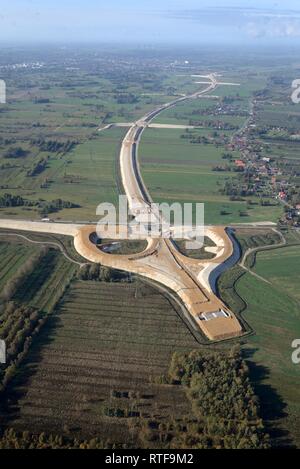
(103, 339)
(273, 311)
(60, 105)
(175, 170)
(41, 289)
(86, 176)
(73, 360)
(12, 257)
(90, 359)
(199, 110)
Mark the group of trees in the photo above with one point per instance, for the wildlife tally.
(9, 200)
(52, 206)
(224, 408)
(21, 274)
(10, 439)
(234, 187)
(196, 139)
(16, 152)
(101, 273)
(38, 167)
(54, 146)
(213, 124)
(5, 141)
(126, 98)
(44, 207)
(224, 405)
(19, 322)
(37, 100)
(17, 327)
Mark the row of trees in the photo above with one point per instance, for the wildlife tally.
(21, 274)
(54, 146)
(11, 439)
(18, 326)
(101, 273)
(44, 207)
(52, 206)
(38, 167)
(16, 152)
(213, 124)
(9, 200)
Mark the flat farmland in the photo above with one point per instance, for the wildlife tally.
(12, 257)
(277, 114)
(176, 170)
(193, 110)
(48, 107)
(282, 268)
(99, 353)
(86, 176)
(42, 287)
(89, 176)
(273, 311)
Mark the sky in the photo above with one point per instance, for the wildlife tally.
(151, 22)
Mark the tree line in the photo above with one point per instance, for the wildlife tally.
(225, 407)
(16, 152)
(44, 206)
(12, 286)
(11, 439)
(101, 273)
(54, 146)
(225, 411)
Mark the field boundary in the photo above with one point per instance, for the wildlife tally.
(188, 320)
(48, 243)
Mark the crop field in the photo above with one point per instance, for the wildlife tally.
(176, 170)
(274, 315)
(280, 114)
(86, 176)
(42, 287)
(199, 110)
(273, 312)
(282, 268)
(101, 351)
(181, 166)
(30, 239)
(57, 105)
(12, 256)
(78, 103)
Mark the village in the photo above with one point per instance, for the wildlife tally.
(270, 178)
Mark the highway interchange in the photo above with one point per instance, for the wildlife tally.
(192, 280)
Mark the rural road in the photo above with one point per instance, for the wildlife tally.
(267, 247)
(195, 276)
(45, 243)
(161, 261)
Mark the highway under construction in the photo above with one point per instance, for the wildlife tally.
(192, 280)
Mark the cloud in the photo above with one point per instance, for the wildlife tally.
(254, 22)
(274, 27)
